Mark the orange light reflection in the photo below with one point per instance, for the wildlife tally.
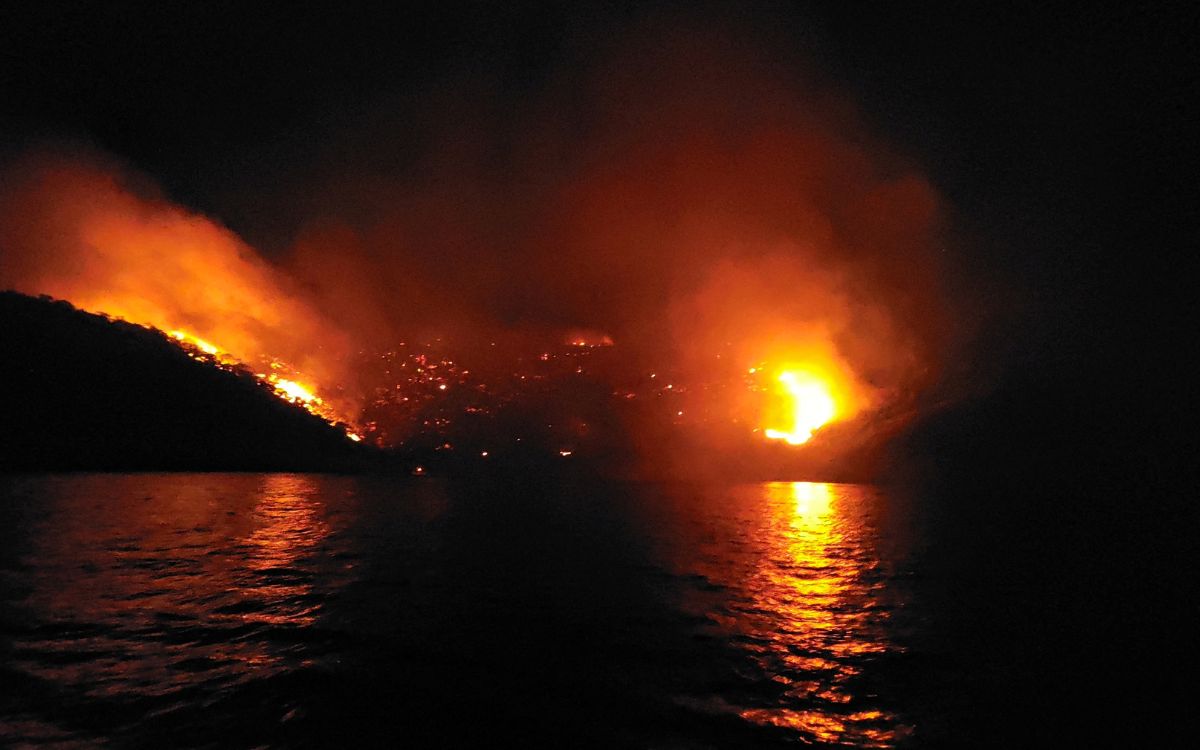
(289, 527)
(813, 591)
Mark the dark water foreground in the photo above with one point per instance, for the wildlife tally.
(301, 610)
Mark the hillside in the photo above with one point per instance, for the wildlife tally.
(84, 392)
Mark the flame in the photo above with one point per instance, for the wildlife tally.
(75, 229)
(810, 404)
(285, 388)
(86, 231)
(293, 391)
(588, 337)
(197, 342)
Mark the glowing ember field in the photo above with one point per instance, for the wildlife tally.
(757, 331)
(423, 394)
(752, 351)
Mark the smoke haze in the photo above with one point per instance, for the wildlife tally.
(674, 187)
(76, 226)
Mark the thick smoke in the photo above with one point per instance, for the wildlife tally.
(79, 227)
(676, 188)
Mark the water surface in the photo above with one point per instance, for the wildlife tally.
(302, 610)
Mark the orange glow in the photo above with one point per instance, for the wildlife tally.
(288, 526)
(293, 391)
(587, 337)
(85, 236)
(813, 503)
(806, 562)
(199, 343)
(808, 403)
(808, 587)
(286, 389)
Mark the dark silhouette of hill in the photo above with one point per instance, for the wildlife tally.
(83, 392)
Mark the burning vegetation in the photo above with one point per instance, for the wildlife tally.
(81, 234)
(286, 388)
(774, 357)
(94, 393)
(685, 278)
(808, 406)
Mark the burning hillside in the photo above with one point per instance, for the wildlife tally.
(286, 388)
(82, 234)
(704, 279)
(88, 392)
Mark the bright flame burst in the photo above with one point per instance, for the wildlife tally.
(293, 391)
(288, 390)
(199, 343)
(810, 406)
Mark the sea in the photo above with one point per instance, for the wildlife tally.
(302, 610)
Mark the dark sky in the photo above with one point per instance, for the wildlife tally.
(1056, 136)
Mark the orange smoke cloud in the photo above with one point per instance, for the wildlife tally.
(679, 190)
(758, 221)
(76, 228)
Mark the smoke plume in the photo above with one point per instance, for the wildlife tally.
(674, 187)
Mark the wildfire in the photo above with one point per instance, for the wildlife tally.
(141, 259)
(810, 404)
(285, 388)
(293, 391)
(199, 343)
(587, 337)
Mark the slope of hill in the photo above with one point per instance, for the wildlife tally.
(83, 392)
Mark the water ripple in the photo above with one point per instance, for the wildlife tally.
(247, 610)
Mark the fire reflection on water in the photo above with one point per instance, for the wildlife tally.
(184, 597)
(144, 592)
(801, 591)
(288, 529)
(817, 587)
